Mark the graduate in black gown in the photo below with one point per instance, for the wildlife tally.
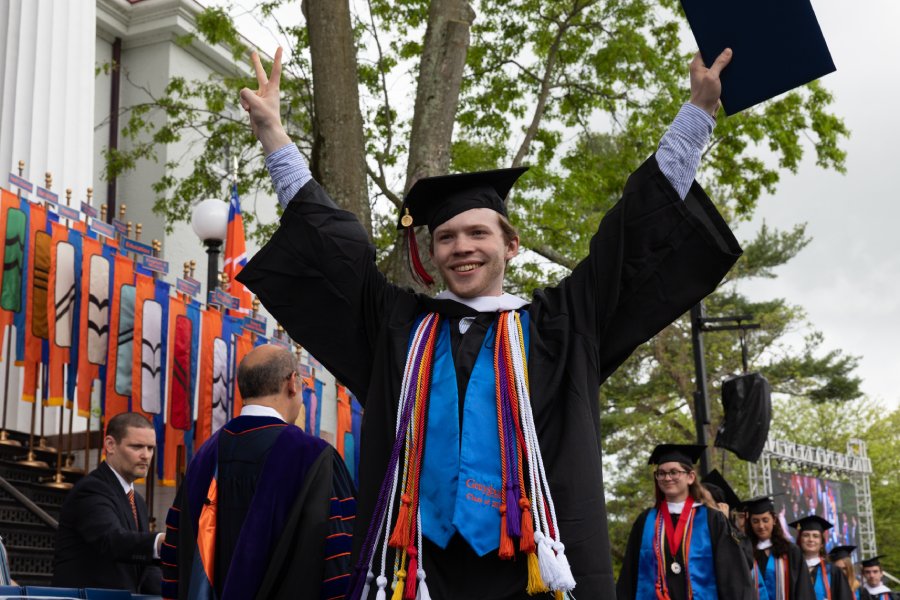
(829, 581)
(841, 557)
(873, 587)
(478, 529)
(780, 561)
(684, 547)
(733, 508)
(265, 510)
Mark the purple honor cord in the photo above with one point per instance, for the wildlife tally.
(368, 547)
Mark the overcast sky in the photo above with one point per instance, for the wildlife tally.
(848, 278)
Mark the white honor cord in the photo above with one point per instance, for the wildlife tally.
(404, 389)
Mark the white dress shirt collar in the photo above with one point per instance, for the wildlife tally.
(258, 410)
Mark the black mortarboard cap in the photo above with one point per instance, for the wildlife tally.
(872, 562)
(715, 479)
(435, 200)
(778, 46)
(686, 454)
(839, 552)
(759, 505)
(811, 523)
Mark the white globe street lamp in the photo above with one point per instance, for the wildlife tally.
(209, 220)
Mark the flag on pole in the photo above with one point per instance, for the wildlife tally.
(60, 307)
(76, 239)
(38, 257)
(13, 224)
(93, 321)
(122, 302)
(236, 251)
(210, 366)
(146, 352)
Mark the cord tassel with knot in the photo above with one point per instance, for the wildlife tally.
(410, 593)
(400, 585)
(422, 593)
(507, 550)
(526, 542)
(400, 536)
(381, 582)
(566, 580)
(536, 585)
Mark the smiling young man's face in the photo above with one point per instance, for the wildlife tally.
(470, 252)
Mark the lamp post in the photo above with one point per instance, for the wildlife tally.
(209, 220)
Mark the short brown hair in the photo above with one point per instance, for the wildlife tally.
(265, 377)
(117, 428)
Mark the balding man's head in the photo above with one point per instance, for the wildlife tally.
(264, 371)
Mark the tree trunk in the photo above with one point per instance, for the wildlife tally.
(437, 94)
(437, 98)
(338, 155)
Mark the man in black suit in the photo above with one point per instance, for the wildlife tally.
(103, 539)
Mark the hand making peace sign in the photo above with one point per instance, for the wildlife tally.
(264, 107)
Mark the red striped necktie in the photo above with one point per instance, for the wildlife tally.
(133, 507)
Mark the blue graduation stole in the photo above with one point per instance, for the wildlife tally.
(818, 584)
(461, 482)
(761, 592)
(771, 585)
(700, 564)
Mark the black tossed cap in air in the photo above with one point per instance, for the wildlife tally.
(839, 552)
(435, 200)
(873, 562)
(714, 481)
(759, 505)
(777, 46)
(811, 523)
(686, 454)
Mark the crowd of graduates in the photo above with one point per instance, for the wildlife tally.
(701, 541)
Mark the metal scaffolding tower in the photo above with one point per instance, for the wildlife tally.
(854, 466)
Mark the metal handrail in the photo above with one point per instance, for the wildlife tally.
(25, 501)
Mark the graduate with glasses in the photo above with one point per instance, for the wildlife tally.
(829, 581)
(683, 547)
(781, 562)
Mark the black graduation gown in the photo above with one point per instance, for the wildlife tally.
(840, 587)
(801, 585)
(733, 581)
(653, 257)
(298, 560)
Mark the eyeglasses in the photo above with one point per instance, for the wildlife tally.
(669, 474)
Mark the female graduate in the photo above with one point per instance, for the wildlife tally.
(732, 507)
(781, 561)
(683, 547)
(829, 581)
(841, 558)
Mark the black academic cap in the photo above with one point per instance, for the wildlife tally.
(777, 44)
(435, 200)
(872, 562)
(686, 454)
(714, 479)
(759, 505)
(839, 552)
(811, 523)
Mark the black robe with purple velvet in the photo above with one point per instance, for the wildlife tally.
(653, 257)
(284, 512)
